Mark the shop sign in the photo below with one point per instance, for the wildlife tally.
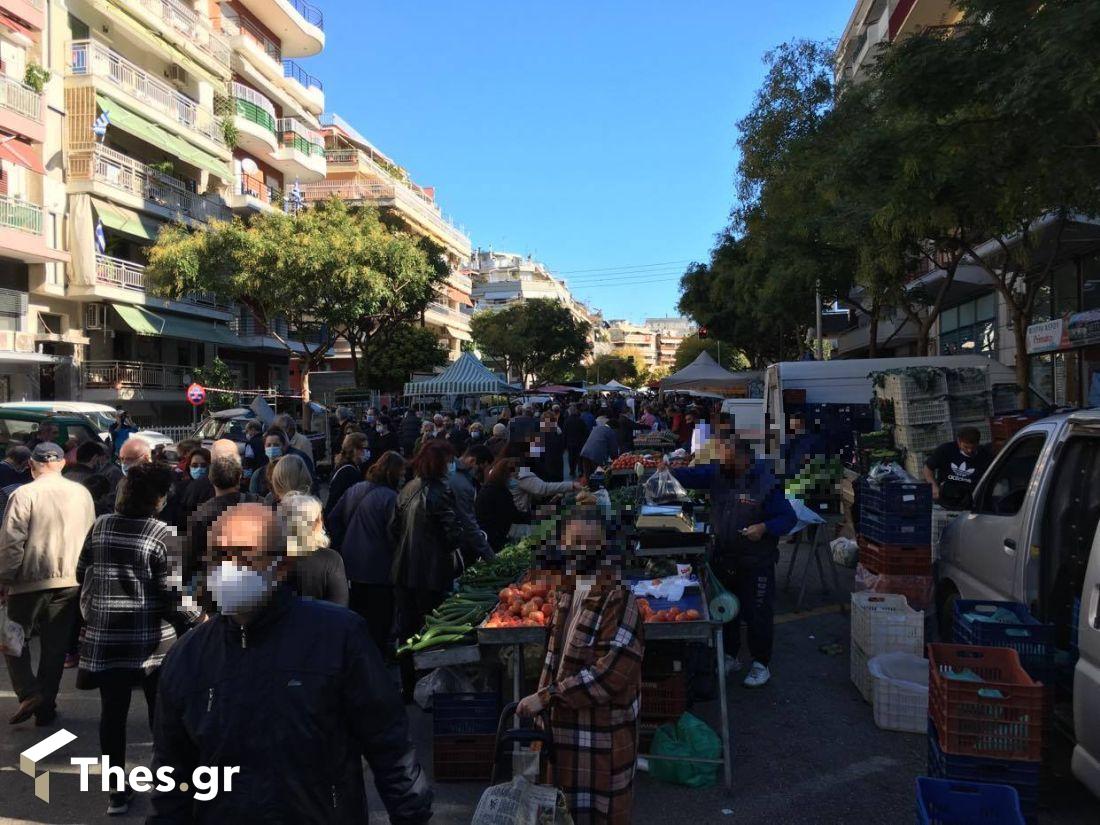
(1049, 336)
(1084, 328)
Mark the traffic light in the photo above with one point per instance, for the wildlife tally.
(702, 333)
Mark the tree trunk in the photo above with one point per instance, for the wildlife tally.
(354, 350)
(872, 330)
(1023, 373)
(307, 412)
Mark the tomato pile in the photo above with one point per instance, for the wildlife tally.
(530, 604)
(673, 614)
(627, 461)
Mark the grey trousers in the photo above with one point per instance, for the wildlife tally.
(51, 613)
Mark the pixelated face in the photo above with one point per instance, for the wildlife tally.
(968, 448)
(583, 545)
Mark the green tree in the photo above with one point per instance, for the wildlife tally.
(217, 374)
(609, 367)
(539, 337)
(722, 352)
(389, 361)
(318, 269)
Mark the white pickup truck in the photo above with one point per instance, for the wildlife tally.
(1032, 537)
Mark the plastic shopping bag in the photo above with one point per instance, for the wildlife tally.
(11, 634)
(520, 802)
(688, 737)
(663, 488)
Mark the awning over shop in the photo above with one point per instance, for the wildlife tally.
(141, 127)
(127, 221)
(144, 322)
(13, 150)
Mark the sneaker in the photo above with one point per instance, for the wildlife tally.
(119, 803)
(733, 665)
(758, 676)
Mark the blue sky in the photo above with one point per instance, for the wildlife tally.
(597, 136)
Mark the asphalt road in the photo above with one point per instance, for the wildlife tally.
(805, 750)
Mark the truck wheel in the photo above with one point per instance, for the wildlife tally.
(945, 614)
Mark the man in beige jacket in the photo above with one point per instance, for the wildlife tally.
(43, 532)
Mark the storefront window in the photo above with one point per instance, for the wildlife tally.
(1090, 375)
(1042, 380)
(1065, 289)
(1090, 283)
(970, 328)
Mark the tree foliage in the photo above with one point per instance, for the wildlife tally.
(610, 367)
(389, 360)
(723, 352)
(216, 374)
(539, 337)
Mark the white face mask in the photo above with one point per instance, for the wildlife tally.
(240, 589)
(536, 452)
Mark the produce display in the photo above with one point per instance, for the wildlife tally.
(661, 438)
(672, 614)
(627, 461)
(818, 478)
(530, 604)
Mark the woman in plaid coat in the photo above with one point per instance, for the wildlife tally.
(131, 606)
(591, 679)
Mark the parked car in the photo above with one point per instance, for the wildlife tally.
(99, 416)
(231, 423)
(1029, 539)
(19, 426)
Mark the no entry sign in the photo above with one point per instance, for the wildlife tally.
(196, 395)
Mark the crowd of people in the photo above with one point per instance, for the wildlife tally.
(216, 581)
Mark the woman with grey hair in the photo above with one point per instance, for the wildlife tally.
(318, 569)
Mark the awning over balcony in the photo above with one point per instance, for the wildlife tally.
(143, 128)
(17, 32)
(459, 334)
(144, 322)
(22, 154)
(127, 221)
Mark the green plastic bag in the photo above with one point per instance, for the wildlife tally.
(688, 737)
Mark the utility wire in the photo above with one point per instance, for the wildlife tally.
(614, 268)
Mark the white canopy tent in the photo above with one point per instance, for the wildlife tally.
(610, 386)
(704, 374)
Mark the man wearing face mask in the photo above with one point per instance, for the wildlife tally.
(387, 439)
(465, 474)
(289, 690)
(44, 526)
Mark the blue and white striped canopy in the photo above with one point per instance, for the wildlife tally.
(466, 376)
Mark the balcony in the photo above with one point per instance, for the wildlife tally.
(134, 375)
(303, 87)
(92, 59)
(18, 214)
(301, 153)
(298, 25)
(412, 204)
(122, 274)
(21, 110)
(21, 235)
(181, 23)
(151, 190)
(255, 119)
(251, 192)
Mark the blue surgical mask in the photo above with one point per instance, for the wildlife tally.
(452, 467)
(370, 419)
(513, 484)
(273, 453)
(198, 472)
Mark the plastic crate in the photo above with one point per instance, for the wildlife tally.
(861, 676)
(894, 529)
(900, 499)
(901, 704)
(663, 697)
(914, 462)
(922, 411)
(922, 437)
(1000, 716)
(463, 758)
(1025, 777)
(1032, 640)
(899, 386)
(458, 713)
(969, 407)
(917, 590)
(895, 559)
(966, 380)
(947, 802)
(884, 623)
(940, 519)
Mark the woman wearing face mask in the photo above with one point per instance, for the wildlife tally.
(318, 570)
(592, 676)
(189, 492)
(529, 489)
(495, 508)
(133, 615)
(427, 433)
(276, 445)
(387, 440)
(350, 466)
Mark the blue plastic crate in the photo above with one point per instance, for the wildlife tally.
(1025, 777)
(1030, 638)
(465, 713)
(905, 500)
(894, 530)
(946, 802)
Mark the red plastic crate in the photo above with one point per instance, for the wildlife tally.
(895, 559)
(463, 758)
(999, 717)
(663, 697)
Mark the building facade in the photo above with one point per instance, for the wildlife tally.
(671, 332)
(877, 22)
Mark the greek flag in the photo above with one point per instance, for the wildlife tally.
(99, 128)
(294, 200)
(100, 238)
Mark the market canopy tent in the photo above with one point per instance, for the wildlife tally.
(466, 376)
(610, 386)
(704, 374)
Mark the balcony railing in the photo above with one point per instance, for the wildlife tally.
(257, 188)
(296, 135)
(20, 98)
(134, 177)
(134, 374)
(253, 106)
(124, 274)
(312, 14)
(184, 20)
(18, 214)
(233, 25)
(94, 59)
(304, 78)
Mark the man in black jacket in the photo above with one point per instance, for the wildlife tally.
(576, 432)
(409, 431)
(289, 691)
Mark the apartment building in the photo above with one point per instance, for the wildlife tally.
(670, 334)
(877, 22)
(625, 338)
(358, 172)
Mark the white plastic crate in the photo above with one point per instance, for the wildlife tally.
(861, 676)
(976, 407)
(885, 623)
(914, 463)
(902, 388)
(922, 411)
(921, 438)
(900, 692)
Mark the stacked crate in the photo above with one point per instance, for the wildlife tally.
(663, 697)
(970, 400)
(916, 401)
(464, 729)
(894, 536)
(986, 720)
(881, 623)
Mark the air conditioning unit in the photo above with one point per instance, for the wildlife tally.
(24, 342)
(95, 316)
(177, 75)
(7, 340)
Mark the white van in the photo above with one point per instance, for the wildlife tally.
(100, 416)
